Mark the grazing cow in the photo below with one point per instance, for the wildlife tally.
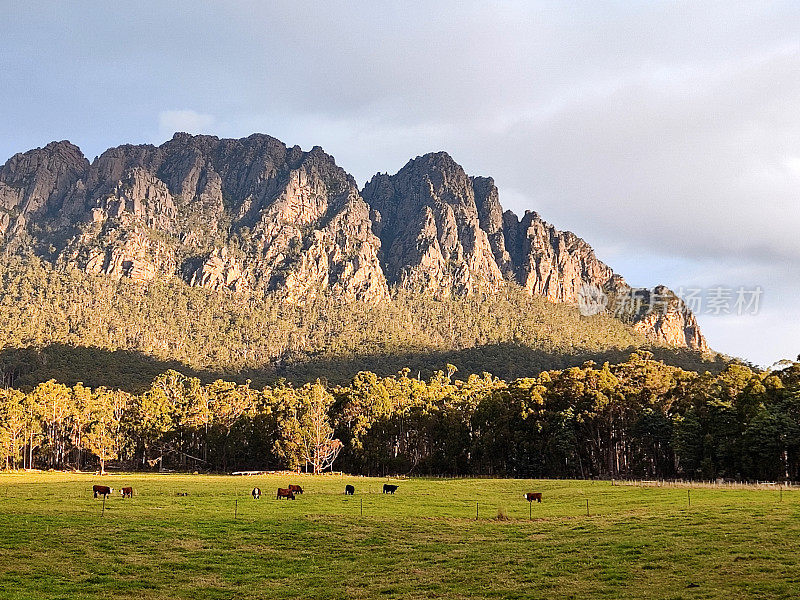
(182, 493)
(101, 490)
(296, 489)
(389, 489)
(127, 492)
(256, 493)
(531, 496)
(285, 493)
(349, 490)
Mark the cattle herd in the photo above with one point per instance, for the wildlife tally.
(105, 491)
(288, 492)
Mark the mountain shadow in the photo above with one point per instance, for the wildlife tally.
(128, 370)
(133, 371)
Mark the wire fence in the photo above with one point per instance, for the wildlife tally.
(639, 482)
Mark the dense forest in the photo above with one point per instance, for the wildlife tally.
(639, 418)
(74, 327)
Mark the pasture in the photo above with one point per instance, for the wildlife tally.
(422, 542)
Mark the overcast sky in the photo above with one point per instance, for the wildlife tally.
(667, 134)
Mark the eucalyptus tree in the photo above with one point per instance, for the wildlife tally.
(55, 406)
(13, 423)
(103, 433)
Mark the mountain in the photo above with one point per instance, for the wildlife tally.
(252, 217)
(228, 214)
(443, 232)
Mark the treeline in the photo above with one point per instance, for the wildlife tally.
(264, 337)
(638, 418)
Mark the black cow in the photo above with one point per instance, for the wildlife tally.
(389, 489)
(349, 490)
(101, 490)
(256, 493)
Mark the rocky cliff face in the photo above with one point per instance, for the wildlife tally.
(551, 263)
(253, 216)
(220, 271)
(431, 236)
(660, 314)
(35, 183)
(224, 214)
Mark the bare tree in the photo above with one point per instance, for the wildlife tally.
(103, 435)
(318, 446)
(12, 426)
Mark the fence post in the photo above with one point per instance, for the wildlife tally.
(362, 507)
(103, 514)
(689, 496)
(476, 511)
(587, 507)
(236, 509)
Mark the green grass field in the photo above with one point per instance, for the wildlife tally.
(423, 542)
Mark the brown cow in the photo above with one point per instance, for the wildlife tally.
(127, 492)
(531, 496)
(285, 493)
(101, 490)
(296, 489)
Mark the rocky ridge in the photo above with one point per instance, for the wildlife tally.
(253, 215)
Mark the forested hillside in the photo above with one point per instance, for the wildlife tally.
(72, 326)
(637, 418)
